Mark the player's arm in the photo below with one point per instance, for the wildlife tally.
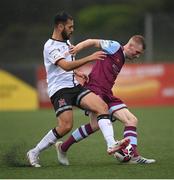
(108, 46)
(71, 65)
(85, 44)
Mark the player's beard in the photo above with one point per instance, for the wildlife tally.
(65, 35)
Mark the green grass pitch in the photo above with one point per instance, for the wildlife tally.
(20, 131)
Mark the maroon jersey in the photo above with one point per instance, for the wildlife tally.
(104, 73)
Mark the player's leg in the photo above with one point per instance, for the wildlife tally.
(81, 133)
(130, 122)
(119, 110)
(63, 109)
(100, 113)
(97, 105)
(100, 108)
(77, 135)
(64, 125)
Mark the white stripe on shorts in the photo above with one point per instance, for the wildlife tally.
(117, 107)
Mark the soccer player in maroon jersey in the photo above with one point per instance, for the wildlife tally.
(101, 80)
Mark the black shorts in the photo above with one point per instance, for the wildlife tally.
(66, 98)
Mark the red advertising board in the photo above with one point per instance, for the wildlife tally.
(146, 85)
(136, 85)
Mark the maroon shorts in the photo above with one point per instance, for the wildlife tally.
(112, 101)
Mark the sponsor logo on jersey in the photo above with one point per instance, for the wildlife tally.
(117, 60)
(62, 102)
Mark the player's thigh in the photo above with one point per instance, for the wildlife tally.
(126, 117)
(94, 103)
(65, 120)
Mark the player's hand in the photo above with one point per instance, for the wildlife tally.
(73, 50)
(98, 55)
(81, 77)
(79, 73)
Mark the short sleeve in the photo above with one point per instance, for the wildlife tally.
(110, 46)
(55, 55)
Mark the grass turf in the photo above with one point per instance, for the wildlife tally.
(20, 131)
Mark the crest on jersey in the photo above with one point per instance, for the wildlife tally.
(117, 60)
(61, 102)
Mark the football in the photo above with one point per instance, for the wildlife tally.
(124, 155)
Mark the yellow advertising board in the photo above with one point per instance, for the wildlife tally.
(16, 94)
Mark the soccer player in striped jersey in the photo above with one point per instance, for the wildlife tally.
(101, 80)
(65, 91)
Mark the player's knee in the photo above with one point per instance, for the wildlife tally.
(67, 128)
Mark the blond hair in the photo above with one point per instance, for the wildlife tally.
(139, 40)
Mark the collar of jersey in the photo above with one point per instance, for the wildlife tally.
(65, 41)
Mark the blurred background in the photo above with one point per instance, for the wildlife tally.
(146, 86)
(26, 24)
